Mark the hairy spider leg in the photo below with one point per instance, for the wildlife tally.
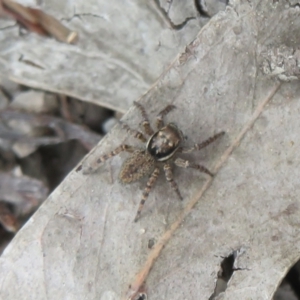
(135, 133)
(202, 145)
(187, 164)
(150, 183)
(145, 121)
(170, 179)
(115, 152)
(162, 114)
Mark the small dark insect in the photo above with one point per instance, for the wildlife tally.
(160, 149)
(151, 243)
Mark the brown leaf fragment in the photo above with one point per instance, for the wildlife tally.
(5, 238)
(37, 21)
(7, 218)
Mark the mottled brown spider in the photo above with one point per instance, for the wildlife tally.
(160, 149)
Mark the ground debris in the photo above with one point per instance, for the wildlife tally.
(23, 192)
(25, 132)
(37, 21)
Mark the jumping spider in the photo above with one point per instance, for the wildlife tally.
(160, 149)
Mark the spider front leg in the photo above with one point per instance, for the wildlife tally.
(115, 152)
(145, 122)
(187, 164)
(170, 179)
(162, 114)
(203, 144)
(150, 183)
(135, 133)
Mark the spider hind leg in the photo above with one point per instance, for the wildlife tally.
(150, 183)
(204, 144)
(187, 164)
(170, 179)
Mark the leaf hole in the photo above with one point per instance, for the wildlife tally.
(224, 275)
(289, 288)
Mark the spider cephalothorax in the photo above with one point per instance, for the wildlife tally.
(160, 149)
(161, 146)
(164, 143)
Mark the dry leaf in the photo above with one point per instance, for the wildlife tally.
(123, 49)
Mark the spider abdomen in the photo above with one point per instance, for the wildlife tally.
(138, 165)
